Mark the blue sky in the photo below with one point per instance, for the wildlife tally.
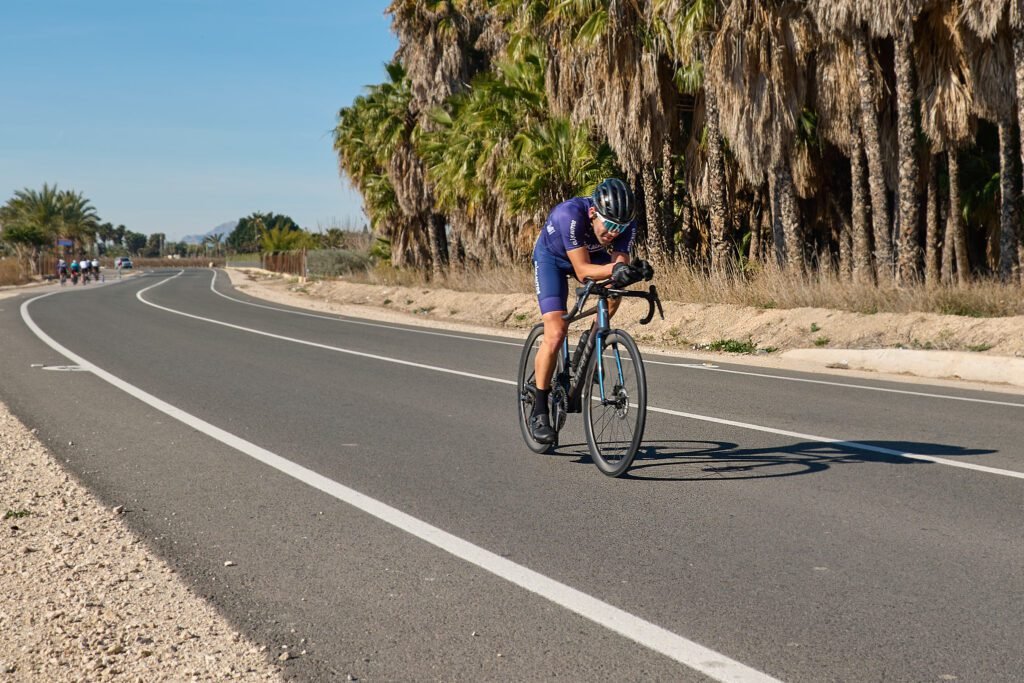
(177, 115)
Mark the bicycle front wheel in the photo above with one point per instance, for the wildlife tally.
(615, 403)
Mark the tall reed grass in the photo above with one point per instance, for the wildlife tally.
(12, 272)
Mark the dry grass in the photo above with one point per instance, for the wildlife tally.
(766, 287)
(492, 280)
(12, 272)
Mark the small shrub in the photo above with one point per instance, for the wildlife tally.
(387, 301)
(978, 348)
(16, 514)
(520, 317)
(732, 346)
(814, 327)
(821, 341)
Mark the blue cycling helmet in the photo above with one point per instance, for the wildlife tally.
(614, 201)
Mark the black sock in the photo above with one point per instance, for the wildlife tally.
(541, 406)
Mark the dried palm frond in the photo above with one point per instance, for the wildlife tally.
(837, 98)
(991, 73)
(881, 18)
(758, 70)
(984, 17)
(947, 104)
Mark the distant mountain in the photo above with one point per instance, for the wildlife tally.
(222, 229)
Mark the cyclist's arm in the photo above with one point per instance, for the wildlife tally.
(580, 259)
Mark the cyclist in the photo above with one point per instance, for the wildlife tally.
(95, 269)
(586, 237)
(62, 271)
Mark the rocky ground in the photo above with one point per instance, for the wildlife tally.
(83, 599)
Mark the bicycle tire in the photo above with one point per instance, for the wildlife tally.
(524, 384)
(613, 445)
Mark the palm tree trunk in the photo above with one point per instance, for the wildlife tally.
(668, 195)
(963, 267)
(844, 238)
(873, 149)
(786, 220)
(931, 241)
(862, 271)
(954, 246)
(716, 167)
(1007, 229)
(755, 229)
(909, 253)
(438, 243)
(655, 237)
(778, 234)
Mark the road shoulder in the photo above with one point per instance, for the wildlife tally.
(84, 598)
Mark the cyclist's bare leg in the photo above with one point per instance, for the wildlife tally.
(555, 329)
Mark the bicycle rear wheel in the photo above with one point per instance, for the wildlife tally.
(526, 387)
(614, 422)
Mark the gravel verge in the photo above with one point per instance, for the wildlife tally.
(83, 599)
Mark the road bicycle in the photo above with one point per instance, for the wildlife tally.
(609, 387)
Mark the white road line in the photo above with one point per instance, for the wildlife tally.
(693, 416)
(358, 322)
(696, 366)
(691, 366)
(687, 652)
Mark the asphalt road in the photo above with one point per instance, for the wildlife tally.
(384, 515)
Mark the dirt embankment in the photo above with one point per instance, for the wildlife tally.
(686, 325)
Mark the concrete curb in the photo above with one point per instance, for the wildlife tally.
(938, 364)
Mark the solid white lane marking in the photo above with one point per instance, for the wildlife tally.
(698, 366)
(693, 366)
(693, 416)
(687, 652)
(357, 322)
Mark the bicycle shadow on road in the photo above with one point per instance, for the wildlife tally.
(727, 461)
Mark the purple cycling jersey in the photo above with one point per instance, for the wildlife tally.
(568, 227)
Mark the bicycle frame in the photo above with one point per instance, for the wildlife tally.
(574, 387)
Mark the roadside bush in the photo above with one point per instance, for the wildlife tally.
(335, 262)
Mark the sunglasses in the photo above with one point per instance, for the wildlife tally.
(613, 227)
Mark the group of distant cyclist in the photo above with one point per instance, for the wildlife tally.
(85, 270)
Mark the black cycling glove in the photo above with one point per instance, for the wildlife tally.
(643, 270)
(623, 274)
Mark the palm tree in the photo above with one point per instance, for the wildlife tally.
(215, 242)
(78, 217)
(686, 29)
(368, 133)
(946, 115)
(849, 20)
(758, 71)
(997, 59)
(603, 70)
